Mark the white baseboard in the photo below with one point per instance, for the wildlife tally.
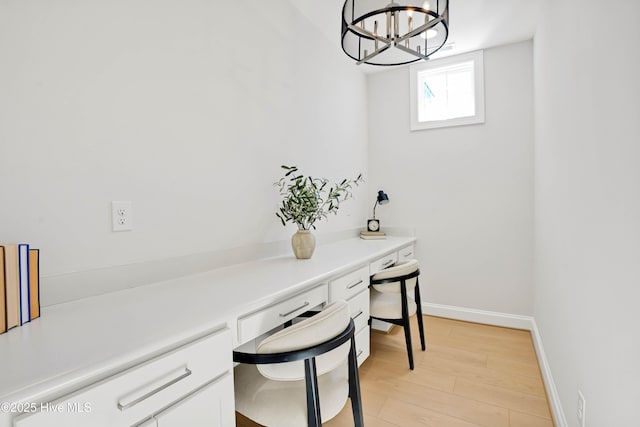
(552, 391)
(478, 316)
(510, 321)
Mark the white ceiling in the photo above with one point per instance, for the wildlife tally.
(473, 24)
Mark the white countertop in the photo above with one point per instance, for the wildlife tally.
(79, 341)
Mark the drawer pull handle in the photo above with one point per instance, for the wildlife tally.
(388, 263)
(153, 388)
(407, 254)
(359, 353)
(359, 314)
(354, 284)
(306, 303)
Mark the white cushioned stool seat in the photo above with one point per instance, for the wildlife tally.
(390, 299)
(275, 394)
(283, 403)
(312, 331)
(389, 305)
(400, 269)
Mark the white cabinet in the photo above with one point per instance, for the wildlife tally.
(362, 345)
(382, 263)
(105, 379)
(406, 253)
(354, 288)
(359, 309)
(135, 395)
(349, 285)
(265, 319)
(210, 406)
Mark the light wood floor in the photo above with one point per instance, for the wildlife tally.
(471, 375)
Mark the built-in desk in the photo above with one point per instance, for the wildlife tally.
(161, 354)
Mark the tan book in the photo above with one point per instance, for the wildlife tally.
(372, 233)
(3, 305)
(12, 284)
(34, 283)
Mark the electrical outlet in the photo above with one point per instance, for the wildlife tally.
(121, 216)
(582, 404)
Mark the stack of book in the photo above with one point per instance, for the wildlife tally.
(19, 285)
(372, 235)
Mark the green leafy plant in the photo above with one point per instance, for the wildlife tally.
(307, 199)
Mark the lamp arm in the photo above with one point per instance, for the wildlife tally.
(374, 209)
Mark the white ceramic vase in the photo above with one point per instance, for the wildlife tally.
(303, 244)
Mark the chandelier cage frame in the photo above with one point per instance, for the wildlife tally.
(362, 41)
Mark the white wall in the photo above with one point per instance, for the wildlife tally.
(587, 206)
(186, 108)
(468, 190)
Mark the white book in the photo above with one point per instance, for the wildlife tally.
(25, 303)
(362, 236)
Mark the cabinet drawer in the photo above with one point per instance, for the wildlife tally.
(382, 263)
(136, 393)
(349, 285)
(264, 320)
(359, 309)
(362, 345)
(211, 406)
(406, 253)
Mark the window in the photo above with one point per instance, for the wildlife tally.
(447, 92)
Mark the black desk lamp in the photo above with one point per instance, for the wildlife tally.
(373, 224)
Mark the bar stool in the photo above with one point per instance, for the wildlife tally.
(303, 374)
(390, 301)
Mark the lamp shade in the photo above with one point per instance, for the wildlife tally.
(383, 198)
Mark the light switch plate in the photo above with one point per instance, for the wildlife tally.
(581, 410)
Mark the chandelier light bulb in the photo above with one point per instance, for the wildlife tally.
(429, 34)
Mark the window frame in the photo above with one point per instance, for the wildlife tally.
(477, 58)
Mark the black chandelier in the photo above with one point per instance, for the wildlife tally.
(379, 33)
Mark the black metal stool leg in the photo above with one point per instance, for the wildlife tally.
(313, 398)
(419, 312)
(354, 387)
(405, 321)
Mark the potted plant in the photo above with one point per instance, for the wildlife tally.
(306, 200)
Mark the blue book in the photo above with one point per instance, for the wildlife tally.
(23, 264)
